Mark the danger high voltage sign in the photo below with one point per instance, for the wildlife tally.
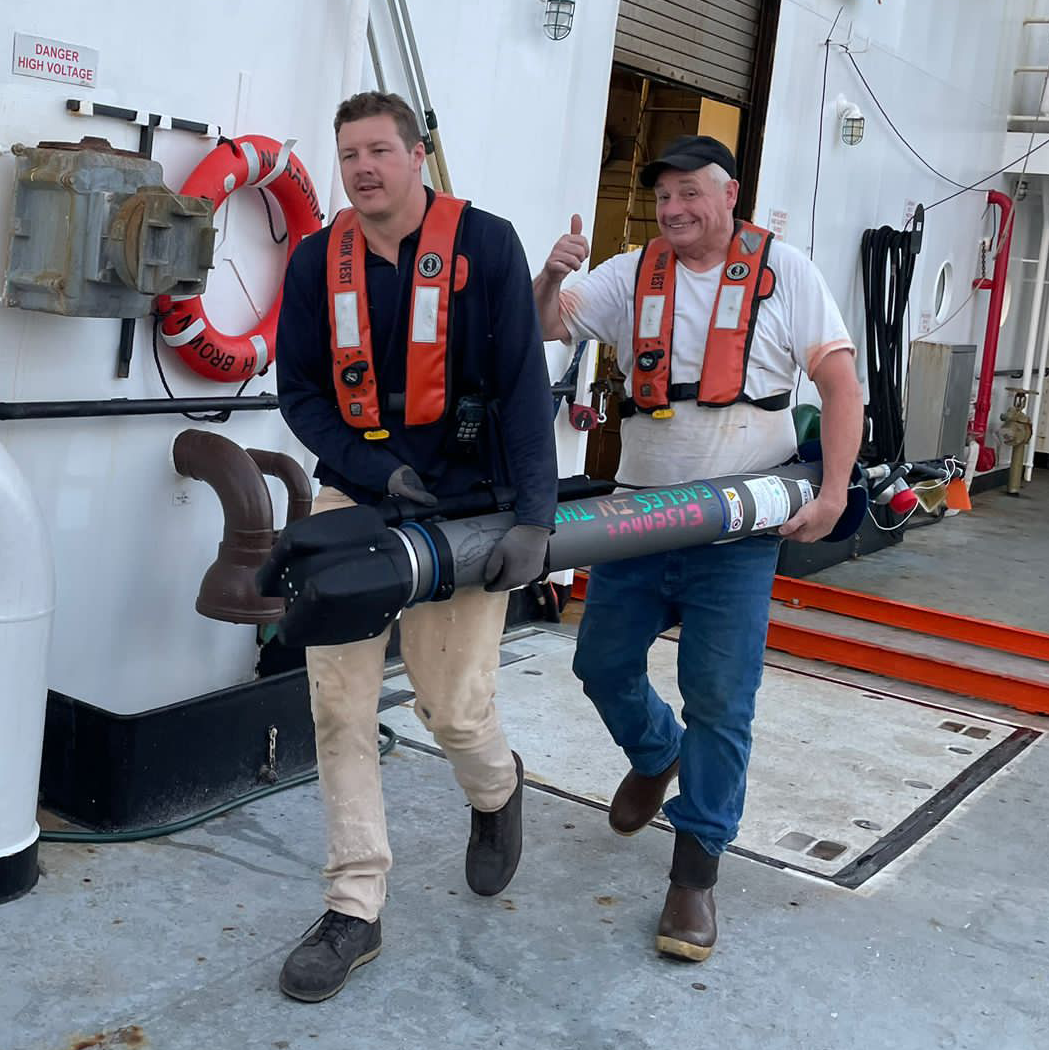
(36, 56)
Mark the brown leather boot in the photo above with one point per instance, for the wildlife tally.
(688, 926)
(637, 800)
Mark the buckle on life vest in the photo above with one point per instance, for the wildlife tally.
(376, 435)
(663, 413)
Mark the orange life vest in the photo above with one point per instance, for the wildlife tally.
(745, 281)
(437, 271)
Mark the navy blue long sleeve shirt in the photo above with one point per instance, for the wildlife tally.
(495, 341)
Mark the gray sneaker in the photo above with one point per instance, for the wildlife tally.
(334, 947)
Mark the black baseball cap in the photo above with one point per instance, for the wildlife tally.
(688, 153)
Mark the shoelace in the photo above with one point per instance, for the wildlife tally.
(331, 927)
(490, 827)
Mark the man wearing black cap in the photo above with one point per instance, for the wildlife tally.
(711, 321)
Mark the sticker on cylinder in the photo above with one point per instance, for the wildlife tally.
(771, 502)
(735, 510)
(805, 488)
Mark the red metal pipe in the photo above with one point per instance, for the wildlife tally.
(978, 431)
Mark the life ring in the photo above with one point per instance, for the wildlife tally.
(252, 161)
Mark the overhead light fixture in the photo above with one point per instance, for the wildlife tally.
(557, 22)
(851, 121)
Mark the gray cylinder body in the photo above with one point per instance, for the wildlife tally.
(630, 524)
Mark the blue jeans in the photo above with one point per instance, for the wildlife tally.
(720, 595)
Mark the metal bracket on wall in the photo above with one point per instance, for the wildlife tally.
(148, 122)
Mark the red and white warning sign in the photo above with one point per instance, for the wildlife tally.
(37, 56)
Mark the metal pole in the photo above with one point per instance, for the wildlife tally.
(1039, 290)
(122, 406)
(380, 80)
(986, 458)
(428, 110)
(413, 89)
(1035, 413)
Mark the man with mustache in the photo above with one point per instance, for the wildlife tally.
(711, 322)
(409, 360)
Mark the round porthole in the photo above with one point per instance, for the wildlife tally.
(942, 295)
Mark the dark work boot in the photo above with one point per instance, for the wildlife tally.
(637, 800)
(688, 926)
(495, 843)
(333, 949)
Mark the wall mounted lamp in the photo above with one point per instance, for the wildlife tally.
(557, 22)
(851, 121)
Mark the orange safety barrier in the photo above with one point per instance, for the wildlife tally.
(999, 636)
(1022, 693)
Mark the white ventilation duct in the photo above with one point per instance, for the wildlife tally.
(27, 600)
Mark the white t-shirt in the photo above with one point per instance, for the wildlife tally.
(797, 326)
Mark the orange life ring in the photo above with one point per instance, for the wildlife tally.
(252, 161)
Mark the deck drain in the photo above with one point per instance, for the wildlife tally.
(918, 784)
(960, 750)
(827, 850)
(867, 825)
(976, 732)
(796, 840)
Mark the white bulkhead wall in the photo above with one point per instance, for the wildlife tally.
(521, 117)
(942, 71)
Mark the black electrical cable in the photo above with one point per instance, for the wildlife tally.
(888, 268)
(896, 130)
(962, 187)
(987, 178)
(210, 417)
(819, 139)
(819, 153)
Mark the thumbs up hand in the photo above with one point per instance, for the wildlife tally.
(569, 253)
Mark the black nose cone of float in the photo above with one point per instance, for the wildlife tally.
(343, 575)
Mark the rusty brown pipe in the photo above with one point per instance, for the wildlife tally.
(281, 466)
(228, 591)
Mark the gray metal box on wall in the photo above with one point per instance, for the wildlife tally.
(96, 233)
(939, 393)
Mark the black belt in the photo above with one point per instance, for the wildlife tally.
(690, 391)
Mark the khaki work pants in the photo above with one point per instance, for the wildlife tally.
(451, 653)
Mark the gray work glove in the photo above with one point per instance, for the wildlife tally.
(405, 482)
(518, 558)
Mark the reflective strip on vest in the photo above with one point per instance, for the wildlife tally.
(353, 367)
(653, 325)
(746, 280)
(353, 364)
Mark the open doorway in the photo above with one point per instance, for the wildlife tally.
(643, 116)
